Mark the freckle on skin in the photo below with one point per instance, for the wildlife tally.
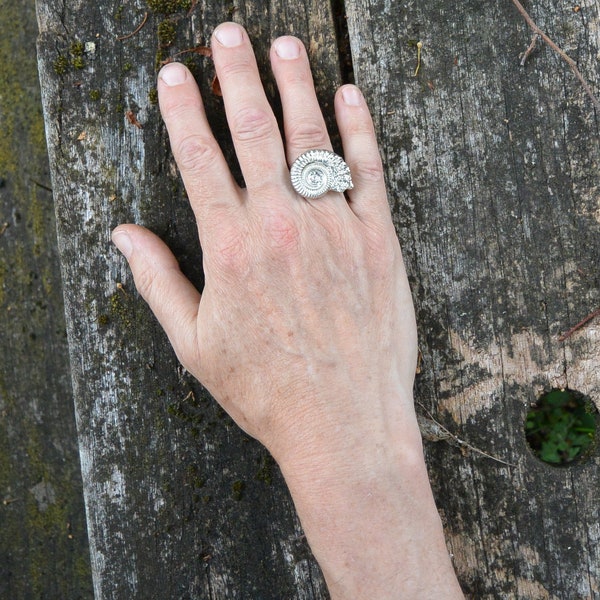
(290, 334)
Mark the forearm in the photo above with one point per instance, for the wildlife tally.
(371, 521)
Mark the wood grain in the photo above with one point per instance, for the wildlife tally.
(180, 503)
(493, 177)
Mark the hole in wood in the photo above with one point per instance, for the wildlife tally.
(561, 427)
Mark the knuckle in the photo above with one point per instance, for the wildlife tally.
(368, 170)
(242, 65)
(361, 126)
(195, 153)
(337, 233)
(229, 250)
(298, 77)
(253, 125)
(308, 134)
(176, 107)
(281, 230)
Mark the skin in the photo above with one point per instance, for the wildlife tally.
(305, 330)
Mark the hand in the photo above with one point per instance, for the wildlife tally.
(305, 329)
(306, 312)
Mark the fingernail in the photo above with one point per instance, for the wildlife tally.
(173, 74)
(229, 34)
(352, 96)
(123, 242)
(287, 47)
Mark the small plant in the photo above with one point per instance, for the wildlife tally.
(166, 33)
(561, 427)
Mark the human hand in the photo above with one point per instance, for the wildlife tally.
(304, 331)
(306, 313)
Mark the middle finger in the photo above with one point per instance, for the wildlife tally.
(253, 126)
(304, 125)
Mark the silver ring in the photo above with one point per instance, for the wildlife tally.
(316, 172)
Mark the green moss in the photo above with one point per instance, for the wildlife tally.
(95, 95)
(127, 67)
(231, 10)
(191, 64)
(188, 410)
(194, 477)
(168, 7)
(103, 320)
(158, 59)
(119, 13)
(76, 50)
(61, 64)
(153, 96)
(265, 471)
(237, 490)
(53, 518)
(119, 309)
(166, 33)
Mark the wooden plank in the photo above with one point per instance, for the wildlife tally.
(493, 177)
(180, 503)
(43, 541)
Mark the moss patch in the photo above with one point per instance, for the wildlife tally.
(167, 32)
(168, 7)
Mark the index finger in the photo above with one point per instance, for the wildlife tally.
(206, 175)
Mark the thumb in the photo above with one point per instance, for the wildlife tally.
(171, 296)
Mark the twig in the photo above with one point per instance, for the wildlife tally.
(202, 50)
(8, 501)
(419, 47)
(530, 49)
(570, 332)
(136, 30)
(560, 52)
(446, 434)
(121, 288)
(192, 7)
(41, 185)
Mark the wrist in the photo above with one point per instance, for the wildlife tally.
(369, 516)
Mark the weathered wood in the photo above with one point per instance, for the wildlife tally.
(493, 172)
(43, 542)
(180, 503)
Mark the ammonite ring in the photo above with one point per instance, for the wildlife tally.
(316, 172)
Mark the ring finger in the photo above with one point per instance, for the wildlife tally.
(303, 122)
